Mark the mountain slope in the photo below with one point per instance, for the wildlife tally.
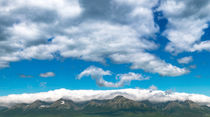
(116, 107)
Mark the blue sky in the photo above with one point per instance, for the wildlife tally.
(163, 43)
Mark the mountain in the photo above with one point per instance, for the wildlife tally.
(38, 104)
(119, 103)
(64, 104)
(116, 107)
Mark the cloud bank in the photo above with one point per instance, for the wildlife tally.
(98, 73)
(85, 95)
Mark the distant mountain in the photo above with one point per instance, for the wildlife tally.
(116, 107)
(64, 104)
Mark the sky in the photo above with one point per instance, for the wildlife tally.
(104, 45)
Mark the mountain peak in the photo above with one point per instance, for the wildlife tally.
(189, 102)
(37, 104)
(119, 97)
(64, 104)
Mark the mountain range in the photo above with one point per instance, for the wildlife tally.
(116, 107)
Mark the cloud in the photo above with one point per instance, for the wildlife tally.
(47, 74)
(85, 95)
(98, 73)
(105, 31)
(192, 66)
(126, 48)
(185, 60)
(64, 8)
(204, 45)
(186, 23)
(150, 63)
(153, 87)
(25, 35)
(93, 72)
(141, 15)
(25, 76)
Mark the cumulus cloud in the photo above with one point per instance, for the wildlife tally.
(150, 63)
(47, 74)
(64, 8)
(25, 27)
(98, 73)
(93, 72)
(141, 15)
(185, 60)
(85, 95)
(82, 33)
(126, 48)
(186, 23)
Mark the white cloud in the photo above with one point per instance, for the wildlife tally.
(153, 87)
(25, 36)
(85, 95)
(186, 23)
(65, 8)
(149, 63)
(185, 60)
(25, 27)
(93, 72)
(204, 45)
(47, 74)
(141, 15)
(98, 73)
(105, 38)
(96, 43)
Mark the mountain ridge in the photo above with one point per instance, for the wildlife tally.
(117, 105)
